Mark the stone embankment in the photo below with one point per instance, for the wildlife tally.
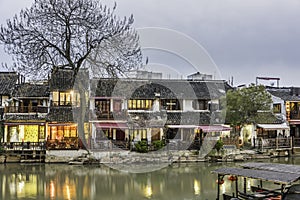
(120, 157)
(125, 157)
(165, 157)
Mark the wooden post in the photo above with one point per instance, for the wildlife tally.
(276, 142)
(218, 185)
(236, 187)
(261, 185)
(282, 188)
(245, 185)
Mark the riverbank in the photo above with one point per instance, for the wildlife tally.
(120, 157)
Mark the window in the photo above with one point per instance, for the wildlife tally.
(66, 98)
(103, 105)
(170, 104)
(140, 134)
(277, 108)
(117, 105)
(139, 104)
(55, 98)
(200, 104)
(213, 107)
(60, 132)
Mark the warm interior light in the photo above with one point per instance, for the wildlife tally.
(196, 187)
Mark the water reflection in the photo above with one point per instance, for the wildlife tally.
(22, 182)
(56, 182)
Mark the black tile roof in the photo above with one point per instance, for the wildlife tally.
(147, 89)
(174, 118)
(65, 114)
(267, 118)
(16, 117)
(31, 90)
(285, 94)
(8, 80)
(63, 79)
(60, 114)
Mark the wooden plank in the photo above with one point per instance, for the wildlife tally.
(265, 175)
(294, 169)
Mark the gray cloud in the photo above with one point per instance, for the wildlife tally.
(246, 38)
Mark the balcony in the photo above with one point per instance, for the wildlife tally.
(294, 115)
(65, 103)
(26, 109)
(97, 115)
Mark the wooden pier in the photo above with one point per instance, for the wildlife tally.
(24, 152)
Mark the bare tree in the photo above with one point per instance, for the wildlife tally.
(60, 34)
(71, 34)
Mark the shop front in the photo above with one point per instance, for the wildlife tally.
(62, 136)
(24, 132)
(20, 135)
(107, 135)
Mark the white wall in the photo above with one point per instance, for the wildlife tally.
(187, 105)
(277, 100)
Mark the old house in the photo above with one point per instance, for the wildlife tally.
(176, 111)
(8, 81)
(62, 132)
(25, 113)
(286, 104)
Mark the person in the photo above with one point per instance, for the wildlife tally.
(15, 137)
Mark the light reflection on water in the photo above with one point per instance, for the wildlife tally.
(56, 182)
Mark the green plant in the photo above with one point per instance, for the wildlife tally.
(158, 144)
(1, 148)
(219, 145)
(141, 146)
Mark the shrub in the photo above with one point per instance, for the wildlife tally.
(141, 146)
(158, 144)
(219, 145)
(1, 149)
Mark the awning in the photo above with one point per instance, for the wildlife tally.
(111, 125)
(273, 126)
(204, 128)
(265, 175)
(182, 126)
(23, 123)
(294, 122)
(63, 124)
(286, 168)
(213, 128)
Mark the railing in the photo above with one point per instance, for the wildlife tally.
(67, 143)
(295, 115)
(275, 143)
(296, 142)
(97, 115)
(26, 109)
(24, 145)
(108, 145)
(65, 103)
(231, 141)
(102, 116)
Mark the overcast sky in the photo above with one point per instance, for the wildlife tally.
(245, 39)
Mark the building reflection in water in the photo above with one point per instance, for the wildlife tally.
(65, 182)
(197, 188)
(52, 190)
(21, 182)
(148, 192)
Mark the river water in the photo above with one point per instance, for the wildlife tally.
(66, 182)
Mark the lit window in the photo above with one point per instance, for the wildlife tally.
(277, 108)
(139, 104)
(170, 104)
